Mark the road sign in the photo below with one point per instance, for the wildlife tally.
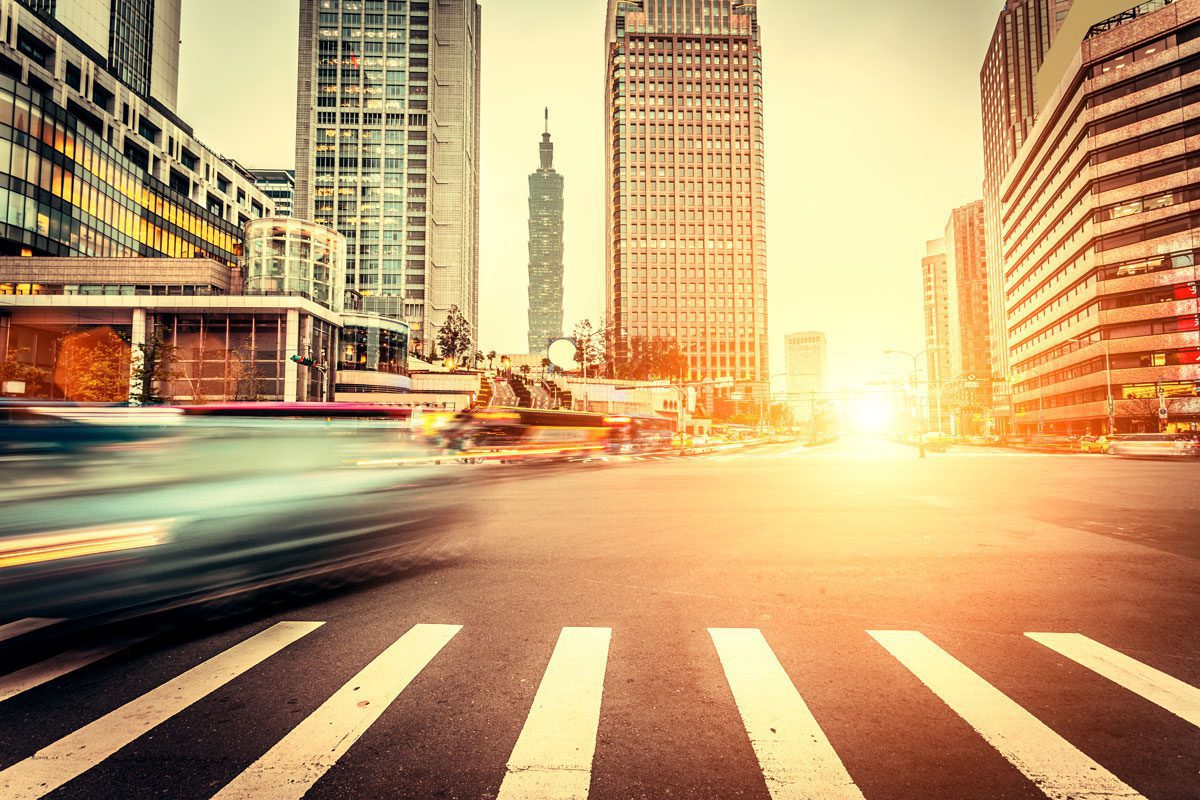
(1162, 413)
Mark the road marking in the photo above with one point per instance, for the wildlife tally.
(552, 759)
(1054, 765)
(1165, 691)
(23, 626)
(291, 767)
(75, 753)
(35, 675)
(797, 760)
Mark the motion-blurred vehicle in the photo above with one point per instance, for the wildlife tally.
(147, 508)
(1157, 445)
(513, 434)
(1051, 443)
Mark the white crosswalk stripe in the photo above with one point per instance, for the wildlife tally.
(42, 672)
(23, 626)
(1181, 699)
(290, 768)
(797, 760)
(552, 759)
(1052, 763)
(74, 754)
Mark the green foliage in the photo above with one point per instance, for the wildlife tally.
(454, 337)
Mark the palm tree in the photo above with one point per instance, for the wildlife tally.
(491, 357)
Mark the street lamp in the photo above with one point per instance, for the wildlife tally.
(1111, 407)
(916, 375)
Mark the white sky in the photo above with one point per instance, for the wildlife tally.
(873, 135)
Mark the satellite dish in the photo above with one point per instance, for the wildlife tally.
(562, 355)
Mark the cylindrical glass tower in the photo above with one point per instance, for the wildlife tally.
(285, 255)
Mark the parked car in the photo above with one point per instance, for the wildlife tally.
(1157, 445)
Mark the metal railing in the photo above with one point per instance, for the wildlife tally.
(1117, 20)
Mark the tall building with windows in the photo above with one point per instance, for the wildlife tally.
(1099, 229)
(545, 249)
(279, 185)
(967, 388)
(1008, 90)
(387, 148)
(92, 165)
(137, 41)
(938, 294)
(686, 244)
(807, 357)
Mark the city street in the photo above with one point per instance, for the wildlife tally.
(835, 622)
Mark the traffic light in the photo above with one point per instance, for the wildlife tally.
(305, 361)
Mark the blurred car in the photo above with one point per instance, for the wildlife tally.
(150, 515)
(1157, 445)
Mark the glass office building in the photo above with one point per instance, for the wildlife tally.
(387, 148)
(285, 255)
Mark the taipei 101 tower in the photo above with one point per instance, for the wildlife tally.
(545, 249)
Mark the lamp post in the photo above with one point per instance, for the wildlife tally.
(916, 375)
(1110, 407)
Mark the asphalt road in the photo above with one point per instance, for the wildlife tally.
(842, 622)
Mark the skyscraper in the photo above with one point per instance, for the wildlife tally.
(966, 388)
(935, 279)
(1008, 90)
(1100, 228)
(686, 247)
(545, 249)
(807, 356)
(137, 40)
(387, 148)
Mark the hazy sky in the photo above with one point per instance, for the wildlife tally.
(873, 135)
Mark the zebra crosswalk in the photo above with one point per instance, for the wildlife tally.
(553, 754)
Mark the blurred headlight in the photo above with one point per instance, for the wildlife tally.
(57, 545)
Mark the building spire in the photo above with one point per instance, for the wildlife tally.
(547, 147)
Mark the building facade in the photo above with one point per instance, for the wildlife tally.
(966, 389)
(545, 249)
(279, 185)
(1099, 219)
(807, 358)
(686, 198)
(1024, 34)
(387, 148)
(938, 297)
(91, 167)
(136, 41)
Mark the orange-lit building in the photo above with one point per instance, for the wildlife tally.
(1100, 215)
(686, 240)
(1024, 34)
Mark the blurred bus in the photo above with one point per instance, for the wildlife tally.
(537, 433)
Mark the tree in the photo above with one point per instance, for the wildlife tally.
(93, 367)
(589, 346)
(545, 366)
(491, 357)
(478, 359)
(642, 358)
(525, 370)
(36, 380)
(242, 380)
(154, 364)
(454, 337)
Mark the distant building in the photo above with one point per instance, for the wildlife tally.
(1024, 33)
(545, 249)
(91, 165)
(279, 185)
(807, 356)
(966, 388)
(1100, 228)
(685, 184)
(938, 298)
(387, 148)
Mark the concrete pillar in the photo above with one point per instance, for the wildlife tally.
(291, 347)
(136, 340)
